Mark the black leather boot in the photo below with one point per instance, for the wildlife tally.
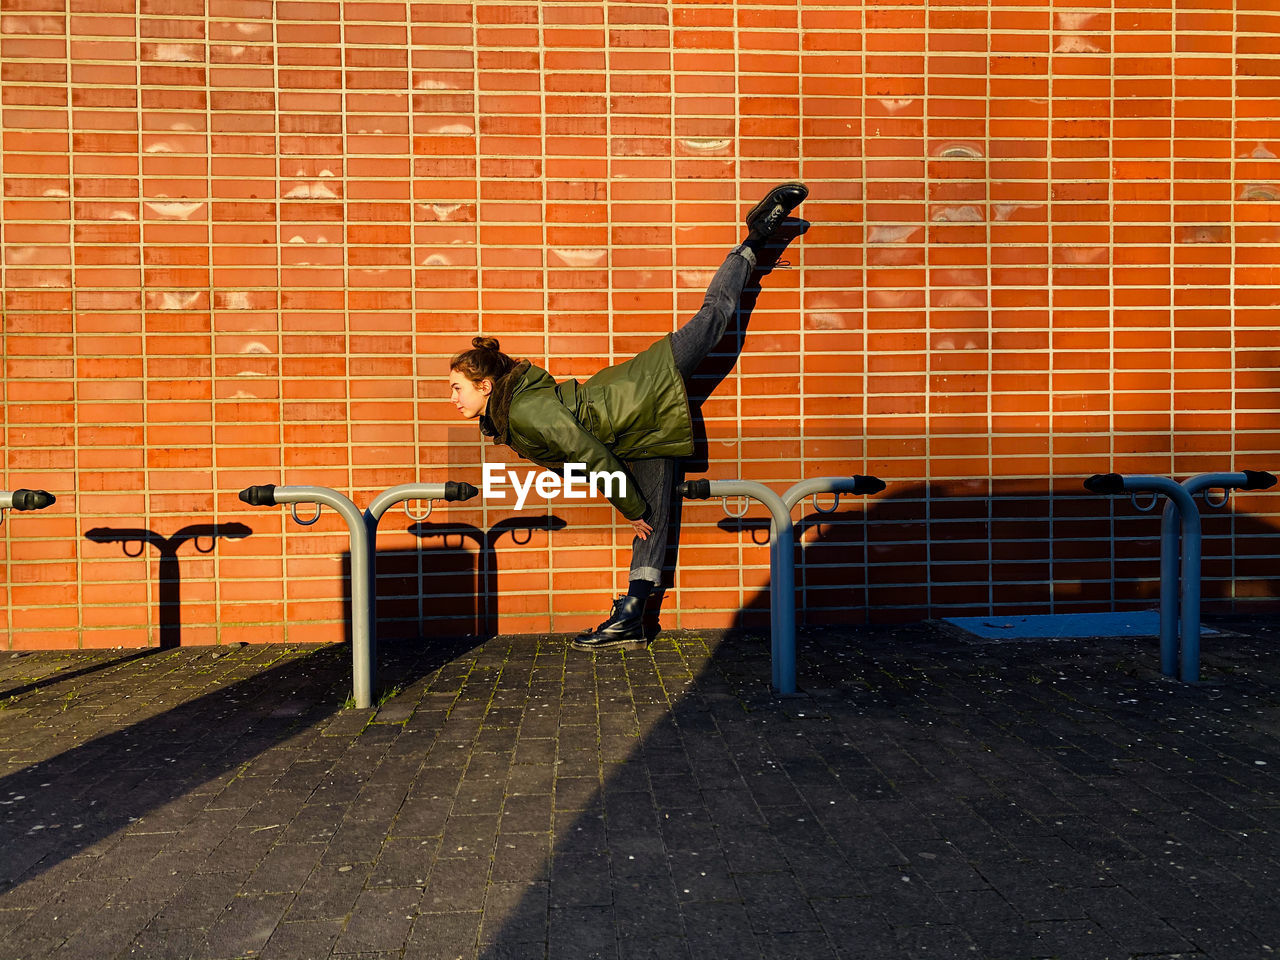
(773, 209)
(625, 625)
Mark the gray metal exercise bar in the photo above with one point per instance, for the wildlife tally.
(450, 490)
(1179, 608)
(23, 499)
(361, 600)
(782, 592)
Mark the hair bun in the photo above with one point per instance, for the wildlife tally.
(485, 343)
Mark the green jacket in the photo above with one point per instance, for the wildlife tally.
(635, 410)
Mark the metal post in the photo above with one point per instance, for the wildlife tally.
(1190, 658)
(1189, 521)
(362, 653)
(1170, 537)
(782, 591)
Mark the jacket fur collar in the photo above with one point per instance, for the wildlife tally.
(495, 421)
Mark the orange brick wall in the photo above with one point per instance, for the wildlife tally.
(242, 238)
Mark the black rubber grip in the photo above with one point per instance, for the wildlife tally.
(1105, 483)
(695, 489)
(863, 484)
(1258, 480)
(459, 490)
(263, 496)
(32, 499)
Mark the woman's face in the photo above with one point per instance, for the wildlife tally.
(471, 398)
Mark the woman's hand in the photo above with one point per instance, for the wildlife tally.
(642, 529)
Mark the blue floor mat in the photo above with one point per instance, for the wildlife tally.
(1065, 626)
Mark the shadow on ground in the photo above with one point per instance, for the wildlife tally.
(110, 771)
(928, 795)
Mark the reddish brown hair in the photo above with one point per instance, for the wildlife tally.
(484, 361)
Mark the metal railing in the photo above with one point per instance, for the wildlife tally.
(782, 582)
(1180, 521)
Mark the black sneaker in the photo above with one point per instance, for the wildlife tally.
(624, 626)
(773, 209)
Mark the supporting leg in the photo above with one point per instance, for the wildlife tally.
(657, 482)
(625, 625)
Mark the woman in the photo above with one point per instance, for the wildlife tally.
(635, 412)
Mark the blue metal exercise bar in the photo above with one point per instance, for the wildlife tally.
(1179, 609)
(782, 580)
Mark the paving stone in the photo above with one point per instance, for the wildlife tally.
(246, 925)
(775, 903)
(330, 892)
(722, 929)
(108, 932)
(444, 936)
(469, 836)
(531, 778)
(526, 813)
(456, 885)
(1073, 940)
(422, 817)
(645, 947)
(582, 933)
(515, 913)
(580, 880)
(404, 862)
(522, 857)
(355, 841)
(380, 920)
(284, 869)
(813, 945)
(513, 950)
(577, 793)
(173, 943)
(199, 902)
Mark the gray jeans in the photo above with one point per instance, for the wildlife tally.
(690, 344)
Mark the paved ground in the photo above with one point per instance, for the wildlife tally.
(928, 797)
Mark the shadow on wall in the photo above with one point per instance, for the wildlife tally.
(519, 530)
(913, 549)
(917, 548)
(449, 589)
(169, 596)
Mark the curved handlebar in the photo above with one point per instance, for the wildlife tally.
(701, 489)
(1258, 480)
(459, 490)
(32, 499)
(1105, 483)
(695, 489)
(863, 484)
(262, 496)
